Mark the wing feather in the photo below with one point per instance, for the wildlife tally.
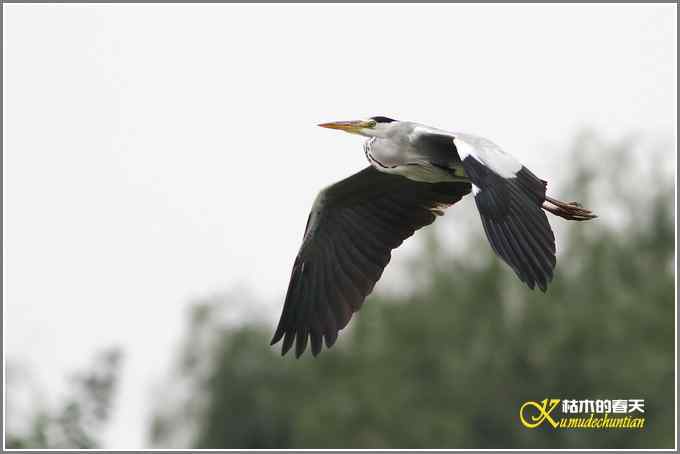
(514, 223)
(350, 233)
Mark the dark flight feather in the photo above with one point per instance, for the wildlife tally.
(514, 223)
(353, 226)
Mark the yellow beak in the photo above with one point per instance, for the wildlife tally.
(348, 126)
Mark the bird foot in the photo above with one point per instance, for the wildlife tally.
(572, 211)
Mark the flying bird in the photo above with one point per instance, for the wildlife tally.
(416, 171)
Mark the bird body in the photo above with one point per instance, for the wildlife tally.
(416, 172)
(404, 145)
(398, 150)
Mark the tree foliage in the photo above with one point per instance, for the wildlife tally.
(78, 419)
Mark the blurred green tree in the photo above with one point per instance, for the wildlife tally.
(449, 364)
(76, 422)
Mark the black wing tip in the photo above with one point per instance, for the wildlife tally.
(542, 281)
(277, 336)
(541, 286)
(529, 251)
(300, 345)
(316, 347)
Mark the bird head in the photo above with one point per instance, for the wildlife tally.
(371, 127)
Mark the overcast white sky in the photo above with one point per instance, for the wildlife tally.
(158, 153)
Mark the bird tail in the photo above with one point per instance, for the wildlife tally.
(572, 211)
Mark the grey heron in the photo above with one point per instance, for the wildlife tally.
(415, 172)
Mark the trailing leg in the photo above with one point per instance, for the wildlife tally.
(572, 211)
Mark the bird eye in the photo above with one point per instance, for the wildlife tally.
(372, 123)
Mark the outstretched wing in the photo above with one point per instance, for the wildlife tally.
(509, 198)
(353, 226)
